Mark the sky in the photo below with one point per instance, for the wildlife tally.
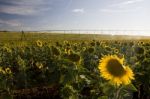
(31, 15)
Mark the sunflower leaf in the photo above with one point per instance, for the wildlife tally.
(131, 87)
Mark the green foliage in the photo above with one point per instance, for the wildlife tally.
(70, 68)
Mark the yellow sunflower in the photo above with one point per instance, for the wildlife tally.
(111, 68)
(39, 43)
(39, 65)
(68, 51)
(116, 50)
(8, 70)
(2, 71)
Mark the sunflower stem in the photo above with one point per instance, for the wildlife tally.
(117, 92)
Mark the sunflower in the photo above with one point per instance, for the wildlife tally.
(7, 49)
(2, 71)
(39, 43)
(116, 50)
(139, 50)
(84, 48)
(111, 68)
(8, 70)
(90, 50)
(68, 51)
(55, 51)
(39, 65)
(74, 57)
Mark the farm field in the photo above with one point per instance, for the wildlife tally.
(74, 66)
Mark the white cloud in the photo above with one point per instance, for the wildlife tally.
(10, 22)
(23, 7)
(20, 10)
(131, 2)
(78, 10)
(26, 2)
(126, 3)
(124, 6)
(120, 10)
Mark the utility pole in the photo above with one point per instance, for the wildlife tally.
(23, 36)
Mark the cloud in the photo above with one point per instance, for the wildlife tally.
(78, 10)
(19, 10)
(23, 2)
(131, 2)
(10, 22)
(120, 10)
(125, 3)
(124, 6)
(23, 7)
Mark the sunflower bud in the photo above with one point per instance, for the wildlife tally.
(55, 51)
(74, 57)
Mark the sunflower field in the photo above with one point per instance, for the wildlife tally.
(70, 69)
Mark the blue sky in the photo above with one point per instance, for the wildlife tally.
(74, 14)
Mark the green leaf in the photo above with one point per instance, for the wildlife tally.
(130, 87)
(6, 96)
(73, 96)
(108, 89)
(103, 97)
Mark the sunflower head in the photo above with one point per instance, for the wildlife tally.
(75, 47)
(58, 44)
(139, 50)
(97, 43)
(5, 70)
(116, 50)
(1, 69)
(74, 57)
(90, 50)
(131, 44)
(8, 70)
(108, 48)
(84, 48)
(55, 51)
(39, 65)
(92, 43)
(68, 51)
(39, 43)
(111, 68)
(66, 42)
(140, 43)
(7, 49)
